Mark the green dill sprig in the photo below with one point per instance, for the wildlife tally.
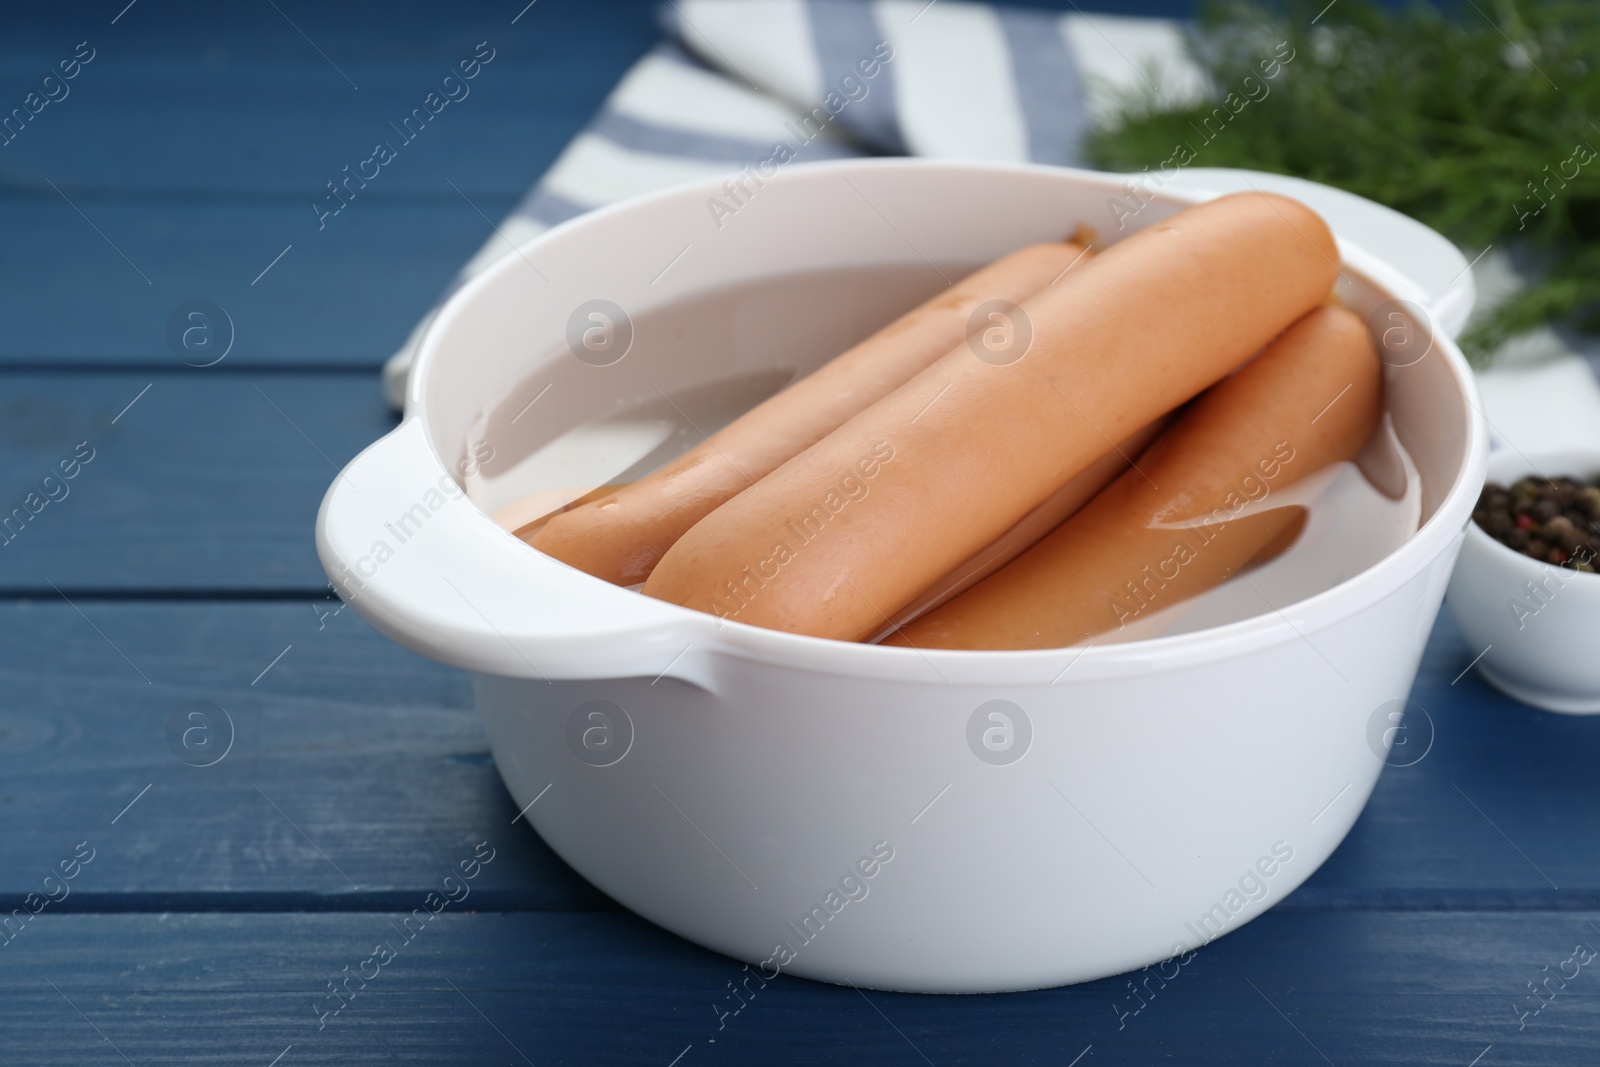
(1481, 121)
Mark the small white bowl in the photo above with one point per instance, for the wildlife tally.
(1534, 621)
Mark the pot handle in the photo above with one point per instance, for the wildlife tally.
(417, 559)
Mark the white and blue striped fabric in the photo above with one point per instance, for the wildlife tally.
(840, 78)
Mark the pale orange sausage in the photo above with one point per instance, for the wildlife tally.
(619, 535)
(1198, 507)
(843, 536)
(1057, 507)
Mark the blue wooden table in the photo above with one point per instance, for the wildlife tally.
(167, 912)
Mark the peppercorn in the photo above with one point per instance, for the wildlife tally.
(1553, 520)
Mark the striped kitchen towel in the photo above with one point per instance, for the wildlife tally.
(739, 82)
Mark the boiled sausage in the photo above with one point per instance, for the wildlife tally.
(1199, 507)
(844, 535)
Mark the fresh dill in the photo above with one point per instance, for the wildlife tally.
(1478, 120)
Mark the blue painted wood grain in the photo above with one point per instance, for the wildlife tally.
(224, 124)
(210, 481)
(101, 286)
(298, 29)
(1366, 988)
(347, 770)
(379, 766)
(189, 151)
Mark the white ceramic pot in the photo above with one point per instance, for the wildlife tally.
(1028, 818)
(1534, 622)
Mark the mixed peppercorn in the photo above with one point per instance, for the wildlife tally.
(1554, 520)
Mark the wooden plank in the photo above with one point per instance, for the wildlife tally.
(1371, 989)
(253, 122)
(251, 126)
(394, 29)
(101, 286)
(375, 758)
(346, 768)
(210, 481)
